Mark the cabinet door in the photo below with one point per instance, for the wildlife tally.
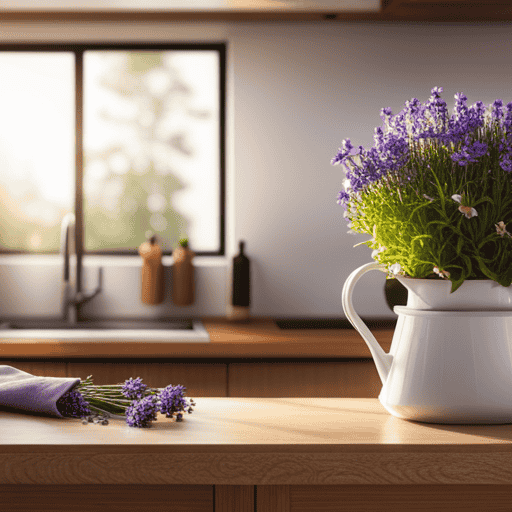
(111, 498)
(234, 498)
(200, 379)
(382, 498)
(39, 368)
(356, 379)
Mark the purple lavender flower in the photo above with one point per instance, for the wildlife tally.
(438, 111)
(430, 124)
(343, 152)
(470, 153)
(506, 162)
(134, 388)
(507, 122)
(385, 113)
(142, 412)
(172, 400)
(73, 405)
(436, 92)
(461, 103)
(343, 198)
(413, 106)
(497, 110)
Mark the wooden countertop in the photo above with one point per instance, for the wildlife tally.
(239, 441)
(260, 337)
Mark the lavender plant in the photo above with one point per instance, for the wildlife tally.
(434, 191)
(132, 400)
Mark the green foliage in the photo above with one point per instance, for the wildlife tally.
(417, 223)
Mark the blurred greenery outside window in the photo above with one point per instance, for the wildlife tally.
(150, 135)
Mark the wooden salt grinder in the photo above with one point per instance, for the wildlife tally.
(183, 275)
(152, 272)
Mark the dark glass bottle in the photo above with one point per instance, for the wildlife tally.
(238, 309)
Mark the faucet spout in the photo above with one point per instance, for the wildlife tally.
(72, 296)
(66, 239)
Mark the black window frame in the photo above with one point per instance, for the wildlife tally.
(79, 49)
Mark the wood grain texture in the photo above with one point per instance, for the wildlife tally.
(256, 441)
(234, 498)
(259, 338)
(102, 498)
(357, 379)
(274, 498)
(269, 468)
(400, 498)
(39, 368)
(208, 379)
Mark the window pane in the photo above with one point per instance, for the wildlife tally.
(37, 148)
(151, 148)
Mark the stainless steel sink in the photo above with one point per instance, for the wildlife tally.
(156, 330)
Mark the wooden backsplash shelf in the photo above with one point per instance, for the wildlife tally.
(260, 338)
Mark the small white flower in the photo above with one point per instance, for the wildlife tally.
(443, 274)
(351, 231)
(395, 269)
(466, 210)
(428, 197)
(376, 252)
(501, 229)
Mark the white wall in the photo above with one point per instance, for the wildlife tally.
(295, 91)
(299, 90)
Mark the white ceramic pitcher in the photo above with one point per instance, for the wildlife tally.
(451, 355)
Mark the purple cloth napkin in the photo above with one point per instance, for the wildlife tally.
(20, 390)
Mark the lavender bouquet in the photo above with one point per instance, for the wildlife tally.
(434, 191)
(72, 398)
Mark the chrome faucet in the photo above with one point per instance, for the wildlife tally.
(72, 295)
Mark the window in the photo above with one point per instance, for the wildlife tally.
(129, 137)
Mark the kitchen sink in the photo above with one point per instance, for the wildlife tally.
(154, 330)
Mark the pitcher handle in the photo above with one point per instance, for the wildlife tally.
(382, 360)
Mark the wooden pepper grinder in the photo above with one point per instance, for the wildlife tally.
(152, 272)
(183, 275)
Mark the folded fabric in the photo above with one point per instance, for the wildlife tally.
(21, 390)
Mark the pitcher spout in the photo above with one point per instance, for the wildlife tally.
(382, 360)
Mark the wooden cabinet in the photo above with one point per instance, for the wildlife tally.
(382, 498)
(252, 378)
(200, 379)
(253, 359)
(111, 498)
(42, 368)
(255, 498)
(256, 455)
(326, 379)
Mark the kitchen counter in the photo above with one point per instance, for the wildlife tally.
(257, 454)
(260, 337)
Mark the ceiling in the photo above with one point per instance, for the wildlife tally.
(259, 10)
(448, 10)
